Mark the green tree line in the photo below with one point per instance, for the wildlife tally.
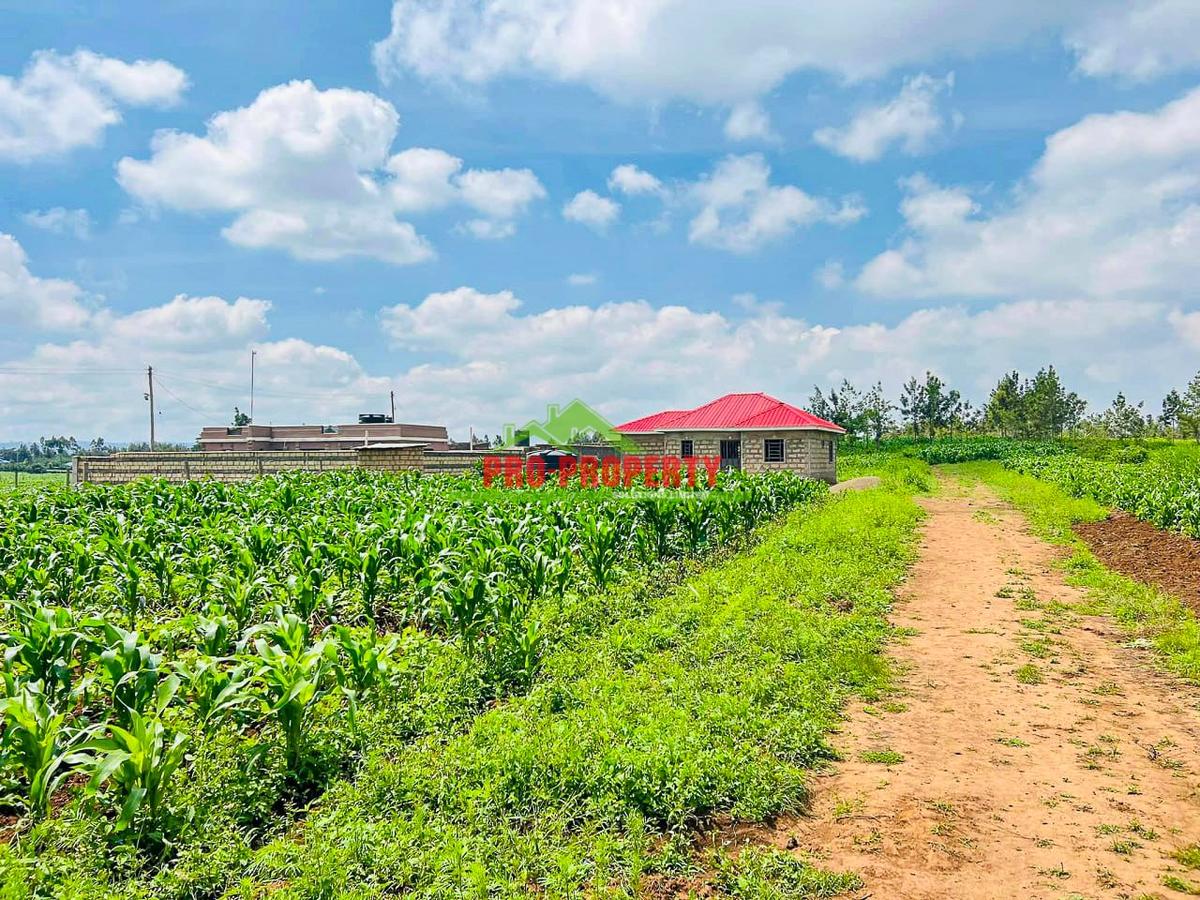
(1021, 407)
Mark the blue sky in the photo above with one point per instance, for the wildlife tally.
(487, 207)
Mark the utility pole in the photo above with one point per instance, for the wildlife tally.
(253, 353)
(150, 397)
(393, 395)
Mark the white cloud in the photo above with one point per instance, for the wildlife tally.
(748, 121)
(741, 211)
(60, 102)
(590, 209)
(727, 53)
(1187, 325)
(200, 349)
(582, 279)
(488, 229)
(628, 179)
(613, 355)
(911, 120)
(831, 275)
(1112, 208)
(309, 171)
(1139, 39)
(58, 220)
(43, 304)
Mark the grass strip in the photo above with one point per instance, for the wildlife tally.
(1146, 612)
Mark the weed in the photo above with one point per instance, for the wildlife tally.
(1188, 856)
(1029, 674)
(885, 757)
(1175, 883)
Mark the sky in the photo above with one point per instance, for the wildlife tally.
(487, 206)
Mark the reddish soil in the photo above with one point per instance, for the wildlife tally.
(1135, 548)
(1032, 753)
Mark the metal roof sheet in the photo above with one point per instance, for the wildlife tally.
(732, 412)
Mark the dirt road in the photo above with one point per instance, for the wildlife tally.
(1033, 753)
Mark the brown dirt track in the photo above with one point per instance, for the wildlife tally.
(1042, 757)
(1141, 551)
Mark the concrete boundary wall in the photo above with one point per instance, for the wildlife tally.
(234, 465)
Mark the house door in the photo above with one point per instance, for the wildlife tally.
(731, 455)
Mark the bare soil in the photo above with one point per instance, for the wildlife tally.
(1032, 753)
(1138, 549)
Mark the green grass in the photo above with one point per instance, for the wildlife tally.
(712, 698)
(1143, 610)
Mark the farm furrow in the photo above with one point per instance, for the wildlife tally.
(1033, 754)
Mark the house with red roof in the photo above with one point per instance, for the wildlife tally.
(753, 432)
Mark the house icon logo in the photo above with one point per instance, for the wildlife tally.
(567, 427)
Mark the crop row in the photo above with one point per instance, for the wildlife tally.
(1166, 494)
(139, 620)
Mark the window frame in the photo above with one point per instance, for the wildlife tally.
(687, 447)
(770, 444)
(831, 443)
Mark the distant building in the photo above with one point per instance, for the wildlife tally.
(754, 432)
(371, 429)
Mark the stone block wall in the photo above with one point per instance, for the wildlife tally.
(121, 468)
(453, 462)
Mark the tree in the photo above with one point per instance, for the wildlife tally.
(1172, 408)
(942, 407)
(912, 404)
(240, 418)
(877, 413)
(844, 406)
(1189, 409)
(1122, 419)
(1048, 407)
(1005, 409)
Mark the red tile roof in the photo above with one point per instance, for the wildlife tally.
(733, 412)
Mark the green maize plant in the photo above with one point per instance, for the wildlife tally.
(47, 648)
(38, 745)
(369, 563)
(599, 548)
(292, 677)
(138, 762)
(216, 633)
(130, 670)
(361, 663)
(216, 689)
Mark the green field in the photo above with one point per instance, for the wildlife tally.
(356, 686)
(347, 685)
(28, 481)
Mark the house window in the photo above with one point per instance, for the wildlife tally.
(830, 445)
(687, 448)
(773, 450)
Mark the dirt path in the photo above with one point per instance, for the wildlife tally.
(1041, 756)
